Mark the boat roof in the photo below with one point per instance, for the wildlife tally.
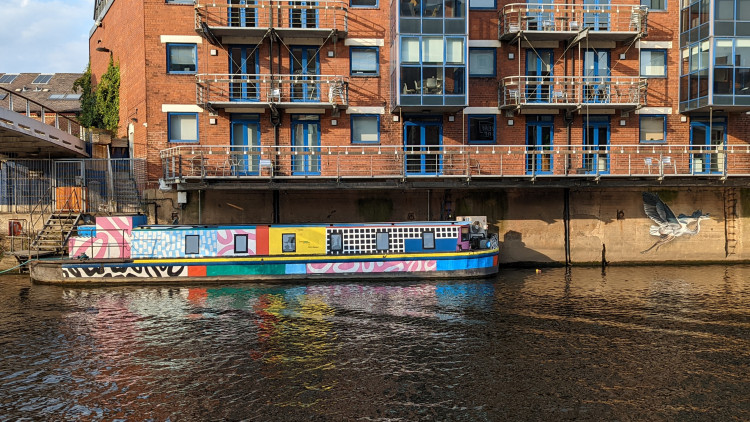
(326, 225)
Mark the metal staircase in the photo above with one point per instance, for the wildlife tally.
(730, 221)
(59, 223)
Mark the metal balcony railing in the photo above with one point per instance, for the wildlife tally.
(572, 91)
(571, 18)
(655, 161)
(222, 90)
(264, 14)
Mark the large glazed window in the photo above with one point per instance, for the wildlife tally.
(182, 58)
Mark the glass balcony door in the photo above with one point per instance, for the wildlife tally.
(304, 68)
(596, 87)
(243, 65)
(540, 16)
(306, 142)
(303, 14)
(245, 152)
(597, 14)
(707, 143)
(539, 73)
(422, 145)
(596, 143)
(240, 15)
(539, 145)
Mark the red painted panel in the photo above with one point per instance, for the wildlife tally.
(197, 271)
(261, 240)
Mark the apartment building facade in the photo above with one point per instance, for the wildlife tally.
(305, 108)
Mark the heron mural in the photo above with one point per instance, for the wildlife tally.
(668, 226)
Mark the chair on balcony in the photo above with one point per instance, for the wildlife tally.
(635, 19)
(514, 96)
(558, 96)
(574, 26)
(548, 25)
(666, 161)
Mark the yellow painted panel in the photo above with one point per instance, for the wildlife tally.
(309, 240)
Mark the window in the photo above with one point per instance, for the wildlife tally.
(288, 242)
(181, 58)
(365, 129)
(240, 243)
(65, 97)
(482, 62)
(57, 97)
(8, 78)
(364, 61)
(183, 127)
(654, 63)
(337, 242)
(482, 4)
(382, 241)
(42, 79)
(192, 244)
(363, 3)
(180, 1)
(481, 129)
(654, 4)
(653, 129)
(428, 240)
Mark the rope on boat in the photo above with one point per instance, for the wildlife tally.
(16, 267)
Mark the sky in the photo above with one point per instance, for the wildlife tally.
(45, 36)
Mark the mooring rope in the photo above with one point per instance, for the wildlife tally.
(16, 267)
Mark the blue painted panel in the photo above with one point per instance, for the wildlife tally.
(441, 245)
(86, 231)
(464, 264)
(296, 269)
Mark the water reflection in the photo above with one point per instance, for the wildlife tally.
(637, 343)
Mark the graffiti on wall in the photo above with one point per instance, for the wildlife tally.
(668, 226)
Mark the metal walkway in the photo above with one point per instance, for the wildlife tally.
(37, 131)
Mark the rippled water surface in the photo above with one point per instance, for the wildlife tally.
(644, 343)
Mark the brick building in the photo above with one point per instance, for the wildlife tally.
(275, 95)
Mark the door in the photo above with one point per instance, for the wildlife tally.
(243, 68)
(596, 88)
(597, 14)
(304, 67)
(542, 17)
(596, 144)
(69, 190)
(539, 131)
(422, 145)
(240, 14)
(707, 144)
(306, 143)
(245, 152)
(539, 73)
(303, 14)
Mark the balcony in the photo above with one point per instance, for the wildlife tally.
(557, 22)
(382, 165)
(289, 19)
(572, 92)
(219, 91)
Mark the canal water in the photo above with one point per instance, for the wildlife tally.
(642, 343)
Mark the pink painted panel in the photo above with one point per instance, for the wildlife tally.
(371, 267)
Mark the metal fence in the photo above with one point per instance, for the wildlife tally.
(114, 185)
(457, 161)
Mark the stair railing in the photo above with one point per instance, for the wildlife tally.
(36, 216)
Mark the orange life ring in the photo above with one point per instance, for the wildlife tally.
(14, 228)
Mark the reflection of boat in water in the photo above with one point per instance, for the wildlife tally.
(119, 250)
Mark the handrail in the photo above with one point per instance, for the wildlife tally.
(569, 17)
(43, 112)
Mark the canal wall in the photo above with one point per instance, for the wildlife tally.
(536, 226)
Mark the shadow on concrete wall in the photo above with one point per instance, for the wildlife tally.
(513, 250)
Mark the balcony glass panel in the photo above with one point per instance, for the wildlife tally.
(432, 50)
(454, 50)
(409, 50)
(723, 53)
(742, 52)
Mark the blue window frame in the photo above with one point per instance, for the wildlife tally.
(655, 5)
(482, 4)
(365, 129)
(306, 143)
(707, 145)
(539, 140)
(654, 63)
(482, 129)
(653, 128)
(243, 66)
(596, 134)
(305, 68)
(183, 127)
(182, 58)
(364, 3)
(482, 62)
(364, 61)
(179, 1)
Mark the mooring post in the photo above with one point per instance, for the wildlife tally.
(604, 258)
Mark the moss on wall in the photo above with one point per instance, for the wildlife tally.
(744, 200)
(375, 209)
(667, 195)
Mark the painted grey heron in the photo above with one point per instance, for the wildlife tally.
(669, 227)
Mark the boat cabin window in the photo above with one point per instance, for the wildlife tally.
(428, 240)
(337, 242)
(288, 242)
(464, 233)
(240, 243)
(382, 241)
(192, 244)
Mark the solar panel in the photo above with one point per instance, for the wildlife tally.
(7, 78)
(57, 97)
(42, 79)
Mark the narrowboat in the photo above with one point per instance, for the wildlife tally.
(126, 250)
